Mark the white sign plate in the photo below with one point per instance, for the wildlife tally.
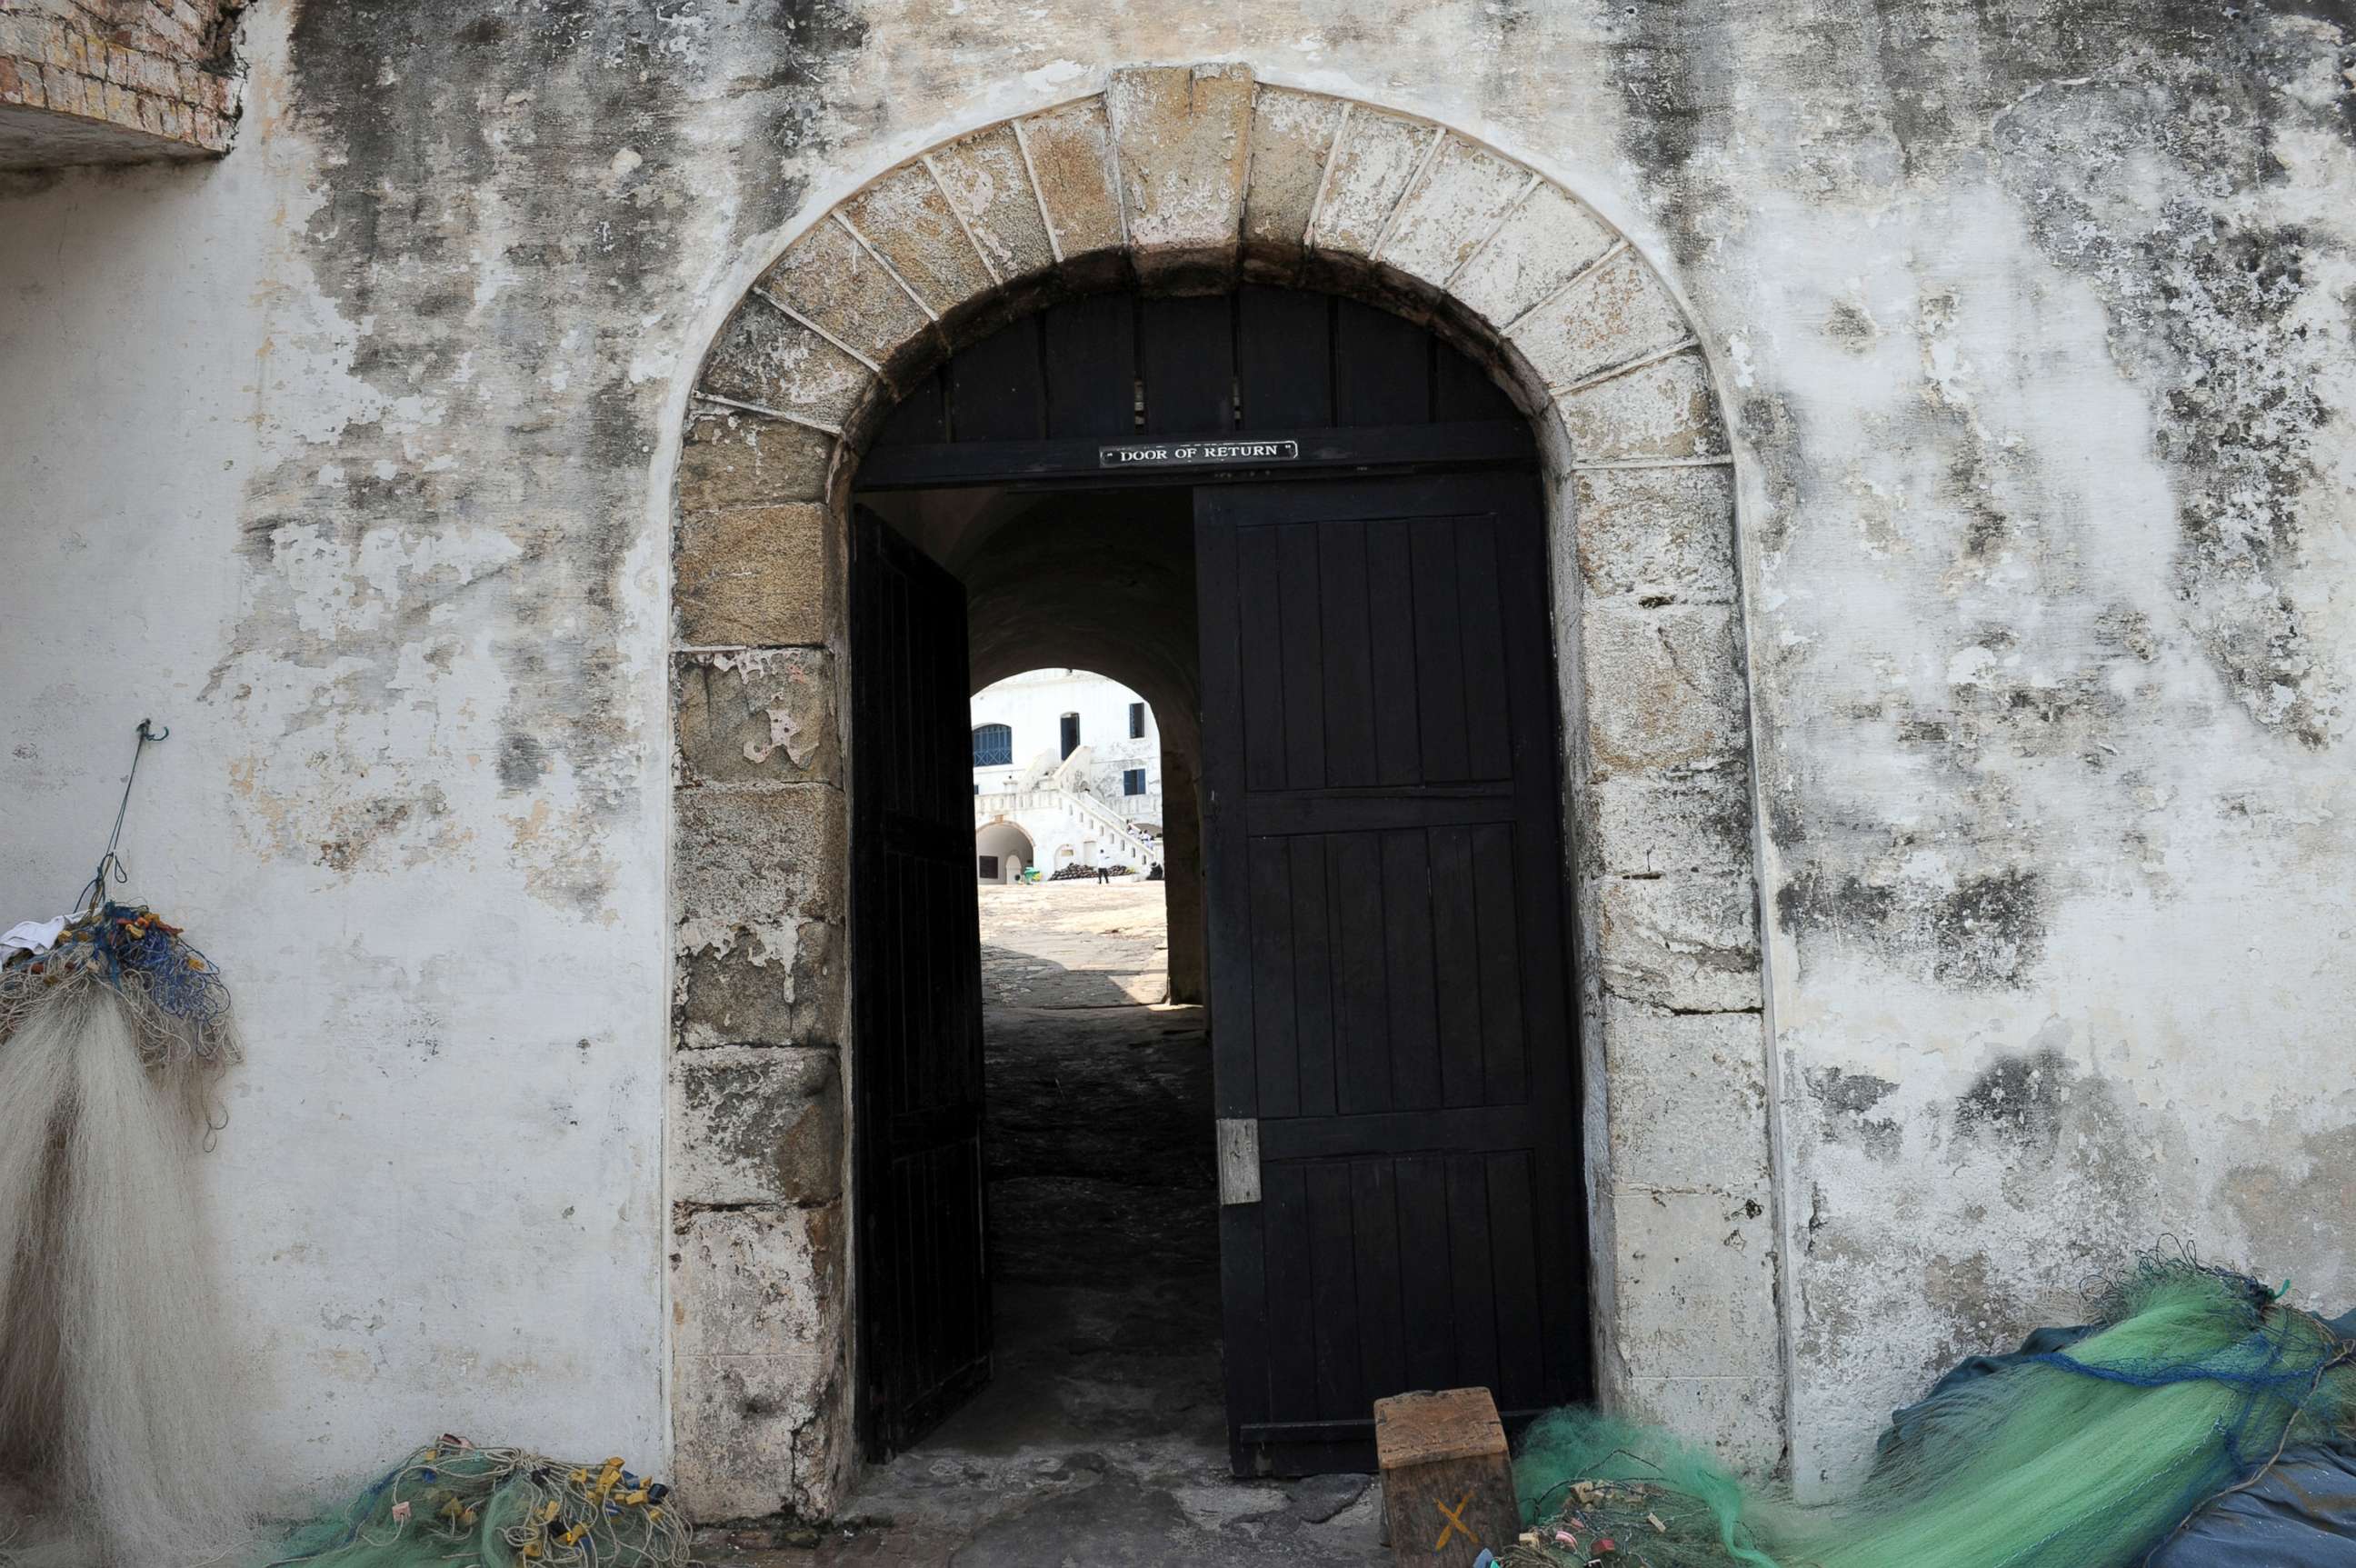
(1195, 454)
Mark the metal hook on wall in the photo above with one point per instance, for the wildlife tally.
(111, 863)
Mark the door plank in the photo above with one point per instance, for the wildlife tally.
(1292, 1305)
(1313, 974)
(1463, 980)
(1503, 981)
(1091, 348)
(1468, 1240)
(1390, 591)
(1245, 1295)
(1272, 976)
(1461, 390)
(1303, 655)
(1260, 610)
(1375, 1232)
(1348, 660)
(1361, 982)
(1439, 688)
(1515, 1244)
(1488, 711)
(1284, 359)
(1382, 367)
(997, 389)
(1427, 1278)
(1187, 357)
(1407, 933)
(1332, 1286)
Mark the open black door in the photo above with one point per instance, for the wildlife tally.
(924, 1296)
(1390, 985)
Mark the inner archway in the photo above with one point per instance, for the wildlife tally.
(1003, 852)
(1177, 179)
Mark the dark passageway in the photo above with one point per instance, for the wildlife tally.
(1102, 1430)
(1070, 1347)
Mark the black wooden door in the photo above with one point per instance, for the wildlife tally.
(1389, 979)
(917, 998)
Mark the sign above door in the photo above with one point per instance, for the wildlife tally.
(1195, 454)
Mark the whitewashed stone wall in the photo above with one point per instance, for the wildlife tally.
(355, 456)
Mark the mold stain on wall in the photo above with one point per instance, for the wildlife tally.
(450, 581)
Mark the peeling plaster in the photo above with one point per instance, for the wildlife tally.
(2036, 324)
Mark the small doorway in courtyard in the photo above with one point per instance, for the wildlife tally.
(1330, 1152)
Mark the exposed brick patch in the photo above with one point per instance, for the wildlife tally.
(114, 81)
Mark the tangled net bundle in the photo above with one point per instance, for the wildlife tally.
(452, 1503)
(178, 1002)
(2192, 1383)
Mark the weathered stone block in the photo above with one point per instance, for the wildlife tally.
(1183, 134)
(1375, 160)
(1071, 152)
(752, 576)
(1695, 1273)
(907, 218)
(757, 1124)
(759, 716)
(785, 983)
(1663, 410)
(1688, 1100)
(1739, 1421)
(1683, 941)
(767, 359)
(1675, 678)
(1292, 134)
(988, 182)
(830, 278)
(758, 1347)
(1540, 246)
(765, 860)
(1615, 314)
(1639, 826)
(1458, 205)
(732, 458)
(1662, 534)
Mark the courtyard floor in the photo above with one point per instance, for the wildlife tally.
(1101, 1439)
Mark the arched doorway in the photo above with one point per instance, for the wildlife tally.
(1317, 529)
(1003, 852)
(1176, 179)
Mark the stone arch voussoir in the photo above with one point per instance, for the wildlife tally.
(1187, 178)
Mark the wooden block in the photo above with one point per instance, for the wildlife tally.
(1448, 1482)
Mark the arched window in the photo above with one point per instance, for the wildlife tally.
(993, 746)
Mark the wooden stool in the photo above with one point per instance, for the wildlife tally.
(1448, 1484)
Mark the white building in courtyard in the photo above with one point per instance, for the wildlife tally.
(1067, 770)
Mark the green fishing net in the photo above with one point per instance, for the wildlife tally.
(1591, 1487)
(2193, 1381)
(452, 1505)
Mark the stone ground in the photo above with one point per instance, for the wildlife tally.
(1074, 944)
(1101, 1439)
